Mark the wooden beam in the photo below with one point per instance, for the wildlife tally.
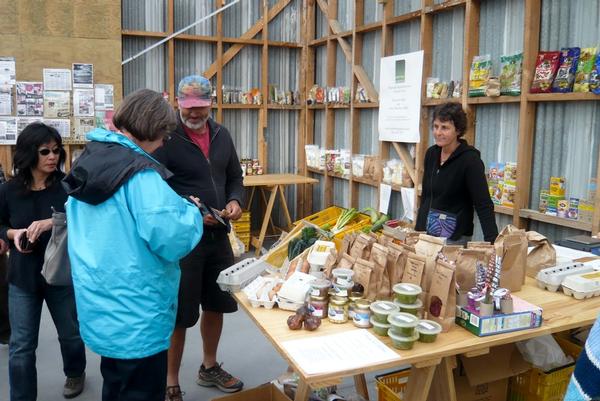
(309, 125)
(531, 45)
(219, 62)
(249, 34)
(171, 52)
(263, 155)
(357, 44)
(329, 112)
(470, 50)
(407, 159)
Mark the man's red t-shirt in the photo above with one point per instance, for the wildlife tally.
(202, 139)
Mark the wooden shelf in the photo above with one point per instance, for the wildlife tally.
(503, 210)
(315, 170)
(214, 39)
(284, 106)
(316, 106)
(561, 97)
(241, 106)
(338, 106)
(366, 105)
(448, 5)
(427, 102)
(494, 100)
(405, 18)
(366, 181)
(559, 221)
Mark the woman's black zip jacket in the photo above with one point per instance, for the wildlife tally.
(216, 180)
(458, 187)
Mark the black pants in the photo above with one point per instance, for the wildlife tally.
(143, 379)
(4, 323)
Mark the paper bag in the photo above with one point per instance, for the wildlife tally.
(541, 256)
(441, 303)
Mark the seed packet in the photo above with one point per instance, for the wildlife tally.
(492, 87)
(565, 76)
(480, 72)
(510, 74)
(545, 70)
(363, 270)
(595, 77)
(457, 92)
(379, 287)
(430, 85)
(585, 66)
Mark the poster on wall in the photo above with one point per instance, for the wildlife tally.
(57, 104)
(57, 79)
(83, 125)
(63, 126)
(30, 99)
(104, 120)
(103, 96)
(8, 74)
(83, 75)
(8, 130)
(6, 100)
(83, 102)
(23, 122)
(400, 97)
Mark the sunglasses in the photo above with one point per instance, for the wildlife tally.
(46, 151)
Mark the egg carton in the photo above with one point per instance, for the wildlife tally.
(239, 275)
(264, 285)
(285, 304)
(552, 277)
(581, 286)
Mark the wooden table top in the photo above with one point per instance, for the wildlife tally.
(559, 313)
(277, 179)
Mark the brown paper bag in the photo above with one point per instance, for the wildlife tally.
(361, 248)
(466, 267)
(346, 262)
(412, 237)
(363, 271)
(429, 247)
(541, 256)
(487, 248)
(441, 304)
(393, 268)
(451, 252)
(380, 283)
(414, 269)
(346, 244)
(514, 261)
(330, 262)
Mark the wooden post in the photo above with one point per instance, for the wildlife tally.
(263, 155)
(329, 112)
(471, 49)
(357, 44)
(219, 64)
(171, 51)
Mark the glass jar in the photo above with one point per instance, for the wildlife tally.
(362, 314)
(338, 310)
(351, 305)
(318, 306)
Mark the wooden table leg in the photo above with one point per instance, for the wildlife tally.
(249, 205)
(264, 198)
(303, 391)
(419, 383)
(360, 383)
(263, 229)
(444, 381)
(286, 211)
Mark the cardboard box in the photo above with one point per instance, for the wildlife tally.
(525, 316)
(485, 377)
(266, 392)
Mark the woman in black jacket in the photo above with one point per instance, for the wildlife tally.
(454, 182)
(26, 203)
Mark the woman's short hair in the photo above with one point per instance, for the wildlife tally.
(146, 115)
(452, 112)
(26, 154)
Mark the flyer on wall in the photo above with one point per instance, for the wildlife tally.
(30, 99)
(103, 96)
(57, 104)
(400, 97)
(8, 130)
(83, 102)
(8, 75)
(83, 75)
(63, 126)
(104, 120)
(57, 79)
(6, 100)
(23, 122)
(83, 125)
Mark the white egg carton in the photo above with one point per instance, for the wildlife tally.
(552, 277)
(584, 285)
(264, 285)
(239, 275)
(286, 304)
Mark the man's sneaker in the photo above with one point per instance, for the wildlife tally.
(216, 376)
(174, 393)
(74, 386)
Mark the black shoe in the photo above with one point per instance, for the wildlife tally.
(74, 386)
(218, 377)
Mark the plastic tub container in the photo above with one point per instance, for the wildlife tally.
(320, 288)
(342, 290)
(403, 323)
(406, 293)
(382, 309)
(402, 342)
(318, 255)
(428, 331)
(414, 309)
(380, 328)
(342, 276)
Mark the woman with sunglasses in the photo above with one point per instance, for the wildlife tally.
(26, 203)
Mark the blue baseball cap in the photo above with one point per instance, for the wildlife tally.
(194, 91)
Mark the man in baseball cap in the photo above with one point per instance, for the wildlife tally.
(205, 164)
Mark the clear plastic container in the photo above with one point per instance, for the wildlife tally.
(382, 309)
(414, 309)
(428, 331)
(320, 288)
(402, 342)
(406, 293)
(380, 328)
(403, 323)
(342, 277)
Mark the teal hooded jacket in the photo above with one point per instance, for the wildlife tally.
(127, 230)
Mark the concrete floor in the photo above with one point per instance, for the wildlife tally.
(244, 350)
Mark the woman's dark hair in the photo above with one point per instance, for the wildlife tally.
(26, 154)
(146, 115)
(452, 112)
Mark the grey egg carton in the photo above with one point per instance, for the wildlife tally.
(239, 275)
(551, 278)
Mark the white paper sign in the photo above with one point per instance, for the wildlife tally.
(83, 102)
(385, 193)
(6, 100)
(408, 202)
(400, 97)
(57, 79)
(336, 352)
(8, 130)
(103, 96)
(63, 126)
(8, 74)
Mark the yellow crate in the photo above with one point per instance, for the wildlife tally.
(241, 227)
(391, 386)
(536, 385)
(245, 218)
(324, 216)
(360, 221)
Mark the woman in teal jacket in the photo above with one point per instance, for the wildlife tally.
(127, 230)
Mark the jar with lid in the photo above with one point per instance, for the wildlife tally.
(318, 306)
(352, 301)
(362, 314)
(338, 310)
